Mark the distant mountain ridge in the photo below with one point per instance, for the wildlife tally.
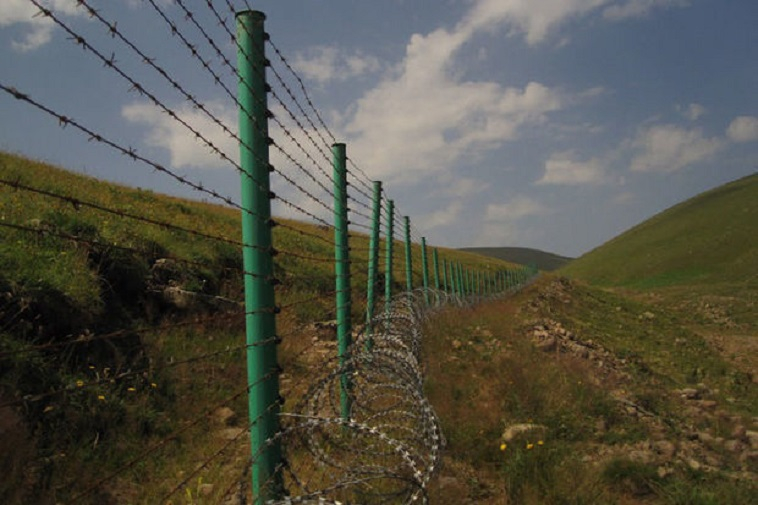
(522, 255)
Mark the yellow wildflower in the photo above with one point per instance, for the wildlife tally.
(503, 446)
(540, 442)
(101, 398)
(153, 385)
(79, 383)
(131, 390)
(529, 446)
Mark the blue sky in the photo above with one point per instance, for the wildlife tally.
(554, 124)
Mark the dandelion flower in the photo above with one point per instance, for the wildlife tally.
(503, 446)
(153, 385)
(540, 442)
(131, 390)
(79, 383)
(101, 398)
(529, 446)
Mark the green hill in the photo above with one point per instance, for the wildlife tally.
(709, 239)
(545, 261)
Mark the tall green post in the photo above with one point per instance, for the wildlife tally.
(461, 288)
(342, 271)
(425, 272)
(444, 275)
(389, 247)
(408, 259)
(436, 265)
(373, 262)
(257, 260)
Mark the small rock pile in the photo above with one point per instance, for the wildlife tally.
(549, 335)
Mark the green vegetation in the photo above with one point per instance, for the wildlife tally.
(151, 364)
(709, 239)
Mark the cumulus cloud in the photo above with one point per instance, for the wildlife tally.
(427, 116)
(186, 151)
(533, 18)
(668, 148)
(40, 28)
(325, 64)
(743, 129)
(514, 210)
(563, 168)
(639, 8)
(693, 111)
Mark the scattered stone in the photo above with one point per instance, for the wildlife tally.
(664, 471)
(457, 344)
(550, 344)
(205, 489)
(232, 434)
(694, 464)
(689, 393)
(708, 404)
(665, 448)
(733, 446)
(225, 416)
(516, 430)
(752, 438)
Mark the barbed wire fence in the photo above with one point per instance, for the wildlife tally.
(334, 378)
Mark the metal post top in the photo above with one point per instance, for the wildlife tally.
(338, 144)
(250, 13)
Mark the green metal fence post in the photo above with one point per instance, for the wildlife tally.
(408, 260)
(373, 262)
(342, 270)
(425, 270)
(257, 261)
(436, 264)
(461, 286)
(444, 275)
(389, 247)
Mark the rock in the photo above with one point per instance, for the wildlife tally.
(694, 464)
(752, 438)
(457, 344)
(549, 344)
(512, 432)
(665, 448)
(232, 434)
(689, 393)
(708, 404)
(225, 416)
(733, 445)
(705, 437)
(739, 432)
(664, 471)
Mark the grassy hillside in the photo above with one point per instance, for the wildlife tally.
(544, 261)
(711, 238)
(98, 363)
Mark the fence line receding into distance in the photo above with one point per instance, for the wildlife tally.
(330, 420)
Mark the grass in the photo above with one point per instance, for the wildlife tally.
(707, 239)
(55, 288)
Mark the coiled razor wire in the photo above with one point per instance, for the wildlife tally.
(389, 448)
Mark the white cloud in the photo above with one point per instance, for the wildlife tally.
(624, 198)
(693, 111)
(502, 224)
(668, 148)
(426, 117)
(40, 28)
(445, 216)
(533, 18)
(325, 64)
(743, 129)
(563, 168)
(639, 8)
(184, 149)
(514, 210)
